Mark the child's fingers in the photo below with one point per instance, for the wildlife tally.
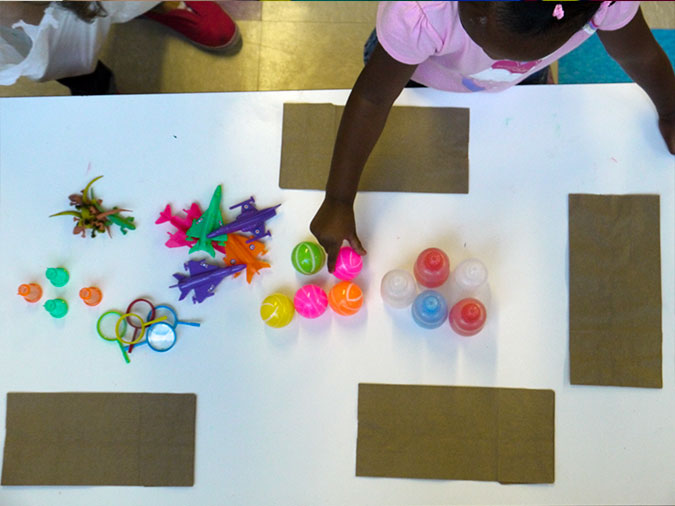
(331, 253)
(355, 243)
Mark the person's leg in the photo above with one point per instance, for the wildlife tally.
(100, 82)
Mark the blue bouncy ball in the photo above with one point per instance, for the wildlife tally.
(429, 309)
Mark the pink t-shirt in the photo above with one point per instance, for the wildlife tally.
(430, 35)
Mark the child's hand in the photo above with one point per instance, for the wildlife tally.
(333, 223)
(667, 127)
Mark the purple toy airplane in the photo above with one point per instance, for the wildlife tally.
(203, 278)
(251, 219)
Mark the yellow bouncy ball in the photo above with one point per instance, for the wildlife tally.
(277, 310)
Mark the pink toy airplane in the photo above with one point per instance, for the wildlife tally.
(178, 238)
(194, 212)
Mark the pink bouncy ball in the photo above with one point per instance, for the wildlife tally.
(310, 301)
(348, 264)
(432, 268)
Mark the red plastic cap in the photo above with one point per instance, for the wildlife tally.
(432, 268)
(467, 317)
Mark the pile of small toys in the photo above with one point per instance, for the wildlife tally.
(311, 301)
(239, 241)
(89, 213)
(58, 306)
(151, 328)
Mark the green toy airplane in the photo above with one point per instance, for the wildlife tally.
(211, 220)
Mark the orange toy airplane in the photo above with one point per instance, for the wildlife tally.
(238, 251)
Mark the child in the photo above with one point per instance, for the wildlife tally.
(475, 46)
(61, 40)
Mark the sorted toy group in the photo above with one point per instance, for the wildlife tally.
(89, 213)
(58, 307)
(311, 301)
(467, 292)
(239, 241)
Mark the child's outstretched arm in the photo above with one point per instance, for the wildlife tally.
(635, 49)
(363, 120)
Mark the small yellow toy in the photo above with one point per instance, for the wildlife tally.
(277, 310)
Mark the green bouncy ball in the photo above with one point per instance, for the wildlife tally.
(308, 258)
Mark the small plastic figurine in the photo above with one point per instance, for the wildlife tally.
(91, 295)
(178, 238)
(90, 214)
(210, 220)
(31, 292)
(429, 310)
(345, 298)
(277, 310)
(398, 288)
(56, 307)
(307, 257)
(467, 317)
(250, 219)
(348, 264)
(57, 276)
(432, 268)
(181, 223)
(203, 279)
(238, 250)
(310, 301)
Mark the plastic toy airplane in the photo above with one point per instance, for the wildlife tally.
(178, 238)
(251, 219)
(194, 212)
(239, 251)
(203, 228)
(203, 279)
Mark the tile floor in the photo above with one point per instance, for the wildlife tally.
(147, 58)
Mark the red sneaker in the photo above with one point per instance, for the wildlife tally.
(205, 24)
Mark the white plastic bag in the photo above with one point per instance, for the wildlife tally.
(62, 45)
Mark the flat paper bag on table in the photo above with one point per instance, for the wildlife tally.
(422, 149)
(456, 433)
(615, 290)
(100, 439)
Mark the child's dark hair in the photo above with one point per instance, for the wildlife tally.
(86, 11)
(534, 18)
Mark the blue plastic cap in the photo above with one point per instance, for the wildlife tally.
(429, 310)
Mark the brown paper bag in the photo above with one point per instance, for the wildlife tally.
(456, 433)
(422, 149)
(100, 439)
(615, 290)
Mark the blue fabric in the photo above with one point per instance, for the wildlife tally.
(590, 63)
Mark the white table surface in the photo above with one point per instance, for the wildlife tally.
(276, 409)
